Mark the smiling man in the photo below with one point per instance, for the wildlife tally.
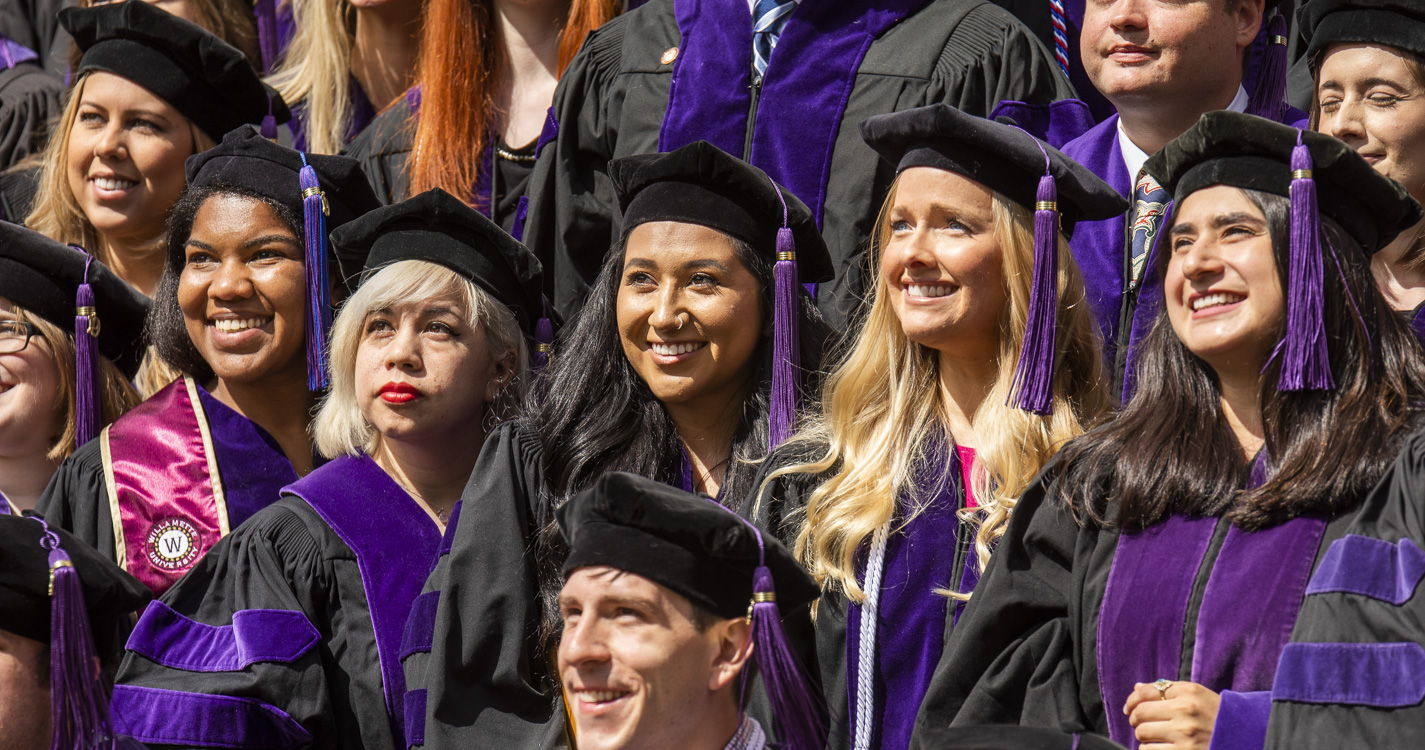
(660, 614)
(1162, 64)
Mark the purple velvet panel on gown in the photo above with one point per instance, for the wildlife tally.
(253, 467)
(1098, 245)
(395, 542)
(910, 626)
(5, 506)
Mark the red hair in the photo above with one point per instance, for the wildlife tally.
(457, 71)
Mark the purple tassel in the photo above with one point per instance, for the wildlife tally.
(1269, 92)
(266, 13)
(543, 339)
(795, 702)
(319, 306)
(79, 707)
(1306, 364)
(786, 352)
(1034, 374)
(86, 381)
(269, 122)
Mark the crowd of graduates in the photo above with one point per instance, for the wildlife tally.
(1023, 374)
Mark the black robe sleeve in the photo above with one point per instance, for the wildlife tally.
(275, 615)
(382, 149)
(29, 100)
(484, 683)
(1016, 656)
(77, 500)
(17, 192)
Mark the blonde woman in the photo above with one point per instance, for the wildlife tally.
(47, 406)
(151, 90)
(977, 361)
(347, 60)
(426, 357)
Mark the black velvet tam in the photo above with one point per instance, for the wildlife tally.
(702, 184)
(436, 227)
(1007, 738)
(110, 594)
(245, 159)
(1244, 151)
(43, 276)
(678, 540)
(1392, 23)
(200, 75)
(999, 156)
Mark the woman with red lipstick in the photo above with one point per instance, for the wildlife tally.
(427, 355)
(163, 484)
(937, 418)
(1150, 578)
(151, 89)
(1368, 58)
(668, 372)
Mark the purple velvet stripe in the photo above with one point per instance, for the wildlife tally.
(1098, 245)
(257, 635)
(416, 717)
(252, 465)
(1370, 567)
(1057, 123)
(420, 625)
(1250, 604)
(1150, 301)
(709, 94)
(1417, 323)
(5, 506)
(548, 133)
(448, 538)
(484, 182)
(521, 213)
(1383, 675)
(395, 544)
(1145, 602)
(910, 623)
(170, 717)
(13, 53)
(1241, 721)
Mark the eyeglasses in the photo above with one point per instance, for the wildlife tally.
(15, 335)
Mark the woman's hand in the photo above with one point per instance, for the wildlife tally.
(1180, 717)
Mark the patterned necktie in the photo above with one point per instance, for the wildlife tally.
(1149, 200)
(769, 17)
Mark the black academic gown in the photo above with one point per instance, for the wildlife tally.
(672, 72)
(933, 552)
(288, 633)
(29, 101)
(384, 146)
(1353, 675)
(1067, 618)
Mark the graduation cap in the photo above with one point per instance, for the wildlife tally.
(1393, 23)
(57, 590)
(67, 287)
(702, 184)
(1024, 169)
(200, 75)
(1007, 737)
(1321, 175)
(437, 227)
(326, 191)
(717, 560)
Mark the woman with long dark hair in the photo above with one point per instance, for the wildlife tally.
(1150, 578)
(161, 485)
(681, 368)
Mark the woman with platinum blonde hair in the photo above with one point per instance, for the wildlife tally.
(977, 362)
(429, 347)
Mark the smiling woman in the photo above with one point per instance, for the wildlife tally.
(232, 313)
(151, 90)
(426, 356)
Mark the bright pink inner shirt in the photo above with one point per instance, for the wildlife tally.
(967, 465)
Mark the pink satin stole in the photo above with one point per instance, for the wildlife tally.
(165, 494)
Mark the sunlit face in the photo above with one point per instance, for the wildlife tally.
(31, 405)
(1224, 296)
(689, 314)
(1147, 49)
(636, 671)
(423, 373)
(125, 157)
(243, 291)
(942, 264)
(24, 693)
(1370, 98)
(184, 9)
